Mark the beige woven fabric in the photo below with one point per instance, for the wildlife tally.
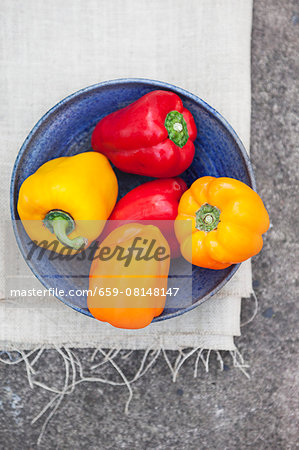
(51, 49)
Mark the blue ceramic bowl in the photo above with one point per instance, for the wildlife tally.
(66, 130)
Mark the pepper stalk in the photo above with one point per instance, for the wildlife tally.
(62, 224)
(207, 217)
(176, 126)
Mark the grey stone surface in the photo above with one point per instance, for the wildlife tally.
(218, 410)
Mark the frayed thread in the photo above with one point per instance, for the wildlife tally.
(255, 311)
(74, 373)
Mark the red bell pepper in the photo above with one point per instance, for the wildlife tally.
(156, 200)
(153, 136)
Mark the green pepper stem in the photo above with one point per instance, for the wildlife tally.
(61, 224)
(176, 127)
(207, 217)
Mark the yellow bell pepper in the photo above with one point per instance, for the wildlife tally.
(228, 219)
(128, 276)
(68, 199)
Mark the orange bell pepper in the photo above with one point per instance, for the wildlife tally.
(228, 219)
(128, 276)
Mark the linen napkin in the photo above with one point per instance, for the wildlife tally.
(49, 50)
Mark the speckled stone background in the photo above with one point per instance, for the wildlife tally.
(218, 410)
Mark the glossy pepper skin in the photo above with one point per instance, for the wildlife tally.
(152, 136)
(68, 199)
(228, 219)
(121, 310)
(156, 200)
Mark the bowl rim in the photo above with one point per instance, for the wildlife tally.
(150, 83)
